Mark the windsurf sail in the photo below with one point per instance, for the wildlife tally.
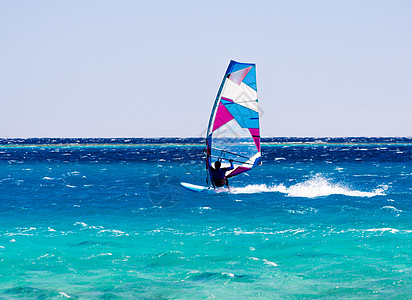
(233, 131)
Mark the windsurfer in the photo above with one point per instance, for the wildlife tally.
(219, 174)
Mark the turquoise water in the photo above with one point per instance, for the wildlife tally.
(108, 219)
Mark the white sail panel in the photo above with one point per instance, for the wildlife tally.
(241, 94)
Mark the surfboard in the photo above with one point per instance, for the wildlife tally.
(202, 189)
(233, 133)
(194, 187)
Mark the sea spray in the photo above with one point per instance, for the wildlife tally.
(317, 186)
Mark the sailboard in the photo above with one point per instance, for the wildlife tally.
(233, 133)
(204, 189)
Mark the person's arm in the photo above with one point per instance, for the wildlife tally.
(231, 165)
(209, 163)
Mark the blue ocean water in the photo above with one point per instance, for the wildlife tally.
(106, 218)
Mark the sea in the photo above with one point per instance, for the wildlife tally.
(321, 218)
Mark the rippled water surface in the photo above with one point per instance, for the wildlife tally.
(107, 218)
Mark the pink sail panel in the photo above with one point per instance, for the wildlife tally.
(222, 117)
(237, 170)
(256, 137)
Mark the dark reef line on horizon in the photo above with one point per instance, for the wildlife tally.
(198, 141)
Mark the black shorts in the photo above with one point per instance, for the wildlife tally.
(220, 182)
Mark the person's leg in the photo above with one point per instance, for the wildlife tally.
(218, 183)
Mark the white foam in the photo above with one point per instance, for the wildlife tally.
(303, 211)
(63, 294)
(317, 186)
(392, 230)
(392, 208)
(258, 188)
(98, 255)
(379, 230)
(239, 231)
(80, 223)
(113, 231)
(270, 263)
(265, 261)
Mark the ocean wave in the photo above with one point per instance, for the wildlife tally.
(391, 209)
(201, 210)
(317, 186)
(259, 232)
(216, 276)
(98, 255)
(303, 211)
(100, 229)
(378, 230)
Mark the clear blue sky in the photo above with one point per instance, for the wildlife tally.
(153, 68)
